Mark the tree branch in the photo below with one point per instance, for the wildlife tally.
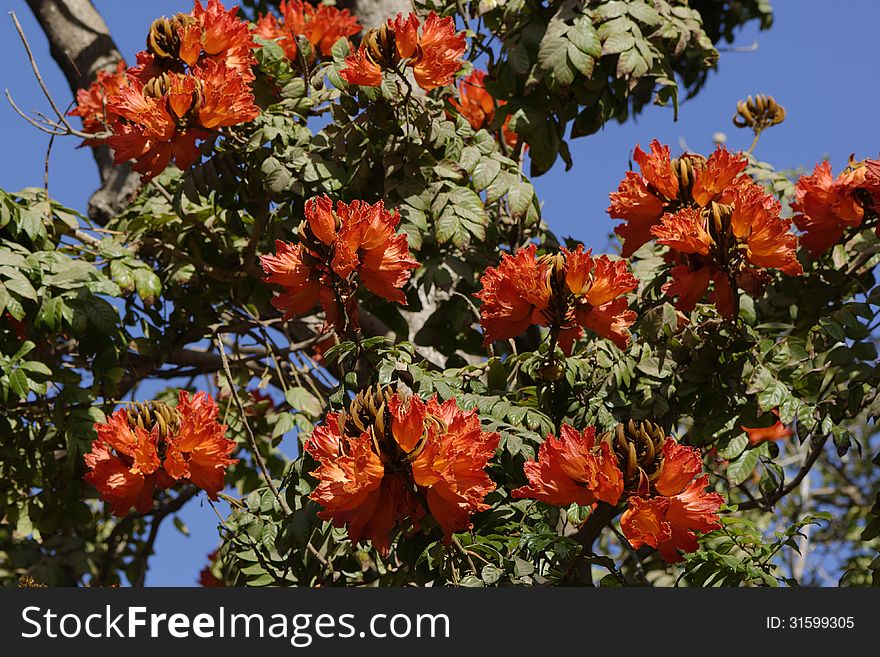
(80, 43)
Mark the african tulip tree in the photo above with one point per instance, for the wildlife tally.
(333, 239)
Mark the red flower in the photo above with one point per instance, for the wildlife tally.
(323, 25)
(124, 465)
(356, 238)
(666, 185)
(825, 207)
(218, 35)
(207, 577)
(719, 176)
(589, 295)
(668, 519)
(150, 446)
(478, 107)
(430, 458)
(161, 121)
(199, 450)
(734, 240)
(91, 103)
(434, 56)
(640, 200)
(777, 431)
(513, 295)
(573, 469)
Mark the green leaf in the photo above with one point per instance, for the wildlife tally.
(276, 176)
(485, 172)
(733, 447)
(519, 198)
(741, 469)
(21, 287)
(18, 383)
(147, 284)
(491, 573)
(304, 401)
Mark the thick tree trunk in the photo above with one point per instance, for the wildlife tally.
(81, 45)
(372, 13)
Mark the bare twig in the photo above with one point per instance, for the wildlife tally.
(68, 129)
(250, 433)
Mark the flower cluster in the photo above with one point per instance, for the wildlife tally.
(322, 25)
(91, 104)
(825, 207)
(194, 78)
(152, 446)
(434, 55)
(567, 292)
(336, 247)
(660, 479)
(720, 225)
(478, 107)
(389, 460)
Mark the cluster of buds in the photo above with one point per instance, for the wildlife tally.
(434, 56)
(149, 446)
(391, 459)
(193, 79)
(758, 113)
(660, 481)
(338, 249)
(638, 447)
(568, 292)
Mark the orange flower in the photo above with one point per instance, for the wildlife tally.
(720, 175)
(219, 35)
(727, 243)
(587, 293)
(356, 238)
(573, 469)
(434, 56)
(777, 431)
(194, 77)
(323, 25)
(478, 107)
(227, 100)
(160, 121)
(124, 465)
(150, 446)
(667, 185)
(640, 200)
(513, 295)
(825, 207)
(679, 506)
(377, 476)
(199, 451)
(91, 103)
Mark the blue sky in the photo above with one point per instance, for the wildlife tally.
(817, 62)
